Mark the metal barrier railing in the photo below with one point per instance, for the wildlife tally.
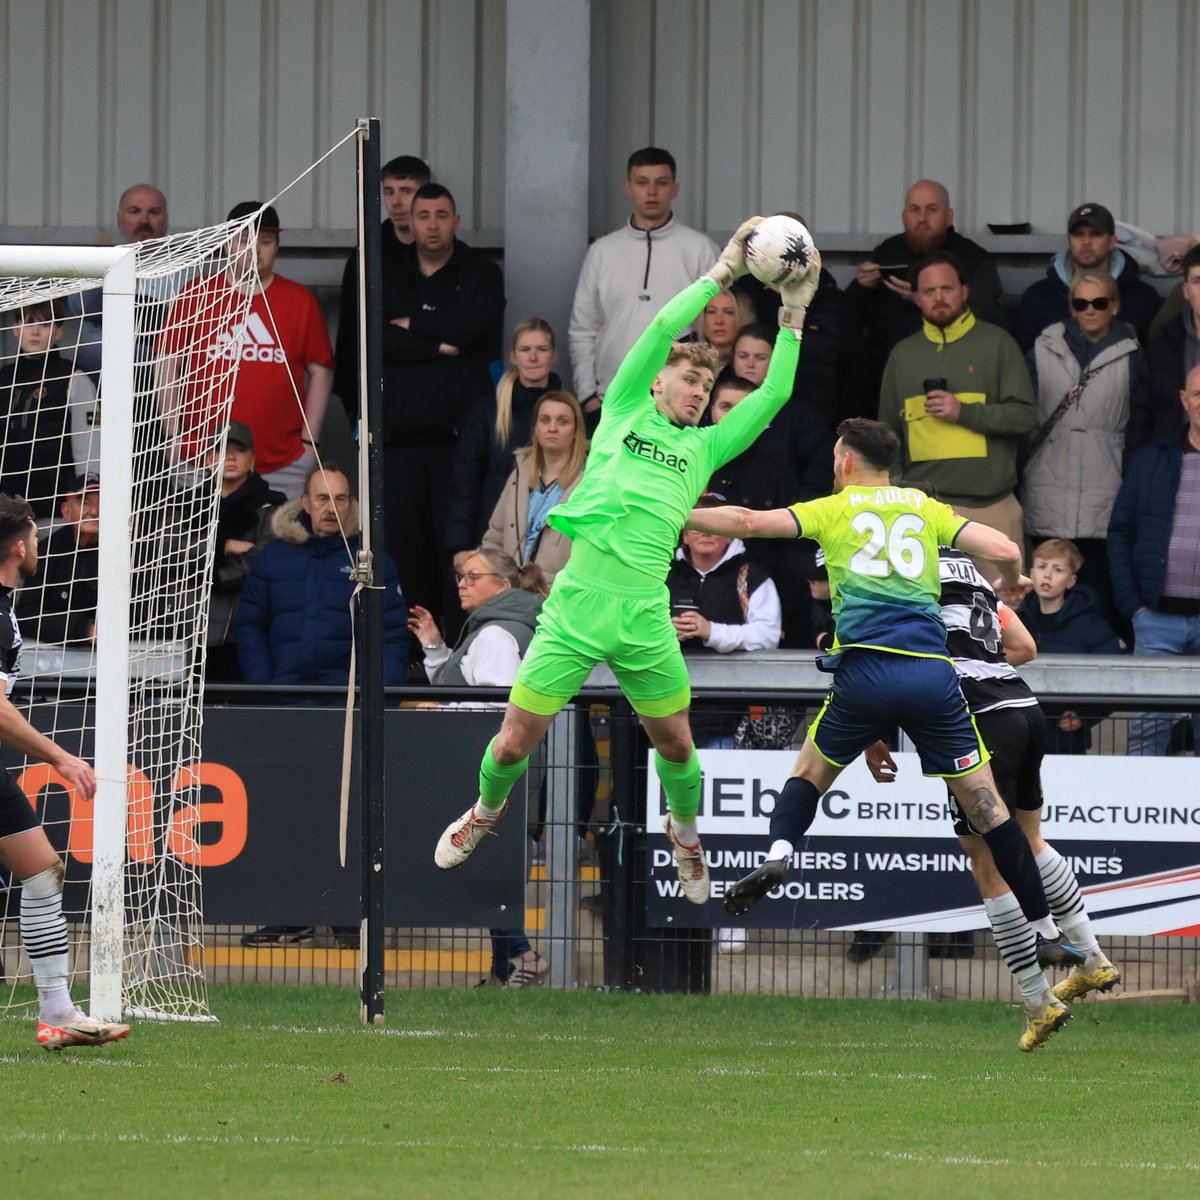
(586, 886)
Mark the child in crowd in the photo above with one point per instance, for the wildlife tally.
(1064, 617)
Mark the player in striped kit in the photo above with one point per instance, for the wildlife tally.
(25, 850)
(983, 635)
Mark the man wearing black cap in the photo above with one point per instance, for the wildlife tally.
(57, 605)
(243, 527)
(282, 340)
(1091, 245)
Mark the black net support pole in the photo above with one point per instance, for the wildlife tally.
(371, 728)
(617, 850)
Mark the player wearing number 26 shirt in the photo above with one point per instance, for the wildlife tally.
(889, 658)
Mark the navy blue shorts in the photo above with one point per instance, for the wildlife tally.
(874, 691)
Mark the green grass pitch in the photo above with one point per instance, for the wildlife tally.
(526, 1094)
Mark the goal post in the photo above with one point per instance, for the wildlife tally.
(133, 892)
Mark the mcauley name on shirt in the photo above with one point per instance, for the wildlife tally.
(886, 495)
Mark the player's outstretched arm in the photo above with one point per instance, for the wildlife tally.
(746, 422)
(731, 263)
(17, 732)
(630, 387)
(989, 543)
(730, 520)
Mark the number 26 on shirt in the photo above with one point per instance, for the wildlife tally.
(898, 548)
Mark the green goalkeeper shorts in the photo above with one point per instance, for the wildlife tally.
(623, 620)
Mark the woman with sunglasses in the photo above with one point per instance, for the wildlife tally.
(502, 602)
(1084, 369)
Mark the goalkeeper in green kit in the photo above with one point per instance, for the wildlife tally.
(648, 464)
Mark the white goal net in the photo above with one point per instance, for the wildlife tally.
(114, 622)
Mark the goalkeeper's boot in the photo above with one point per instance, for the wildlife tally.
(1040, 1023)
(460, 837)
(81, 1030)
(1058, 952)
(1095, 975)
(690, 865)
(742, 896)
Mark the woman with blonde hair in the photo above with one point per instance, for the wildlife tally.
(720, 321)
(546, 473)
(497, 425)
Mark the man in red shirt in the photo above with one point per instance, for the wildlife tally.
(281, 348)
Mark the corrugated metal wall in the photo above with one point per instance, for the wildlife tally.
(1023, 107)
(832, 107)
(217, 101)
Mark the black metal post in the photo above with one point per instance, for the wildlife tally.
(621, 843)
(371, 726)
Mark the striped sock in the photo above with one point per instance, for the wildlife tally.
(1017, 944)
(1066, 900)
(44, 935)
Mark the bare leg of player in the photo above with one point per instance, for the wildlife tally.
(980, 802)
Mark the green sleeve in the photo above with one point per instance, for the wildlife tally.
(630, 388)
(949, 524)
(746, 421)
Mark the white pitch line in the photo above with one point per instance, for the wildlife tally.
(234, 1139)
(1039, 1164)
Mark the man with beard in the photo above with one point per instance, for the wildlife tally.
(1091, 246)
(959, 395)
(882, 306)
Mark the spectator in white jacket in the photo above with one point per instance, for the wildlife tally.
(629, 274)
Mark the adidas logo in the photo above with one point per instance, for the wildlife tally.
(251, 341)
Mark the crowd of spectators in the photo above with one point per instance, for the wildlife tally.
(1059, 416)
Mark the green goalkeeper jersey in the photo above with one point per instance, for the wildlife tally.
(644, 472)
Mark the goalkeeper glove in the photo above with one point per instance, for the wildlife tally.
(797, 294)
(731, 264)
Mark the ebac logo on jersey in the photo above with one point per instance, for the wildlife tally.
(251, 341)
(642, 447)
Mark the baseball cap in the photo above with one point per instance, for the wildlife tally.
(86, 482)
(247, 208)
(240, 432)
(1095, 215)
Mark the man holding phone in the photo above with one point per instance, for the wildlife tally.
(959, 395)
(881, 303)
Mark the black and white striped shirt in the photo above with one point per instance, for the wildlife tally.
(974, 639)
